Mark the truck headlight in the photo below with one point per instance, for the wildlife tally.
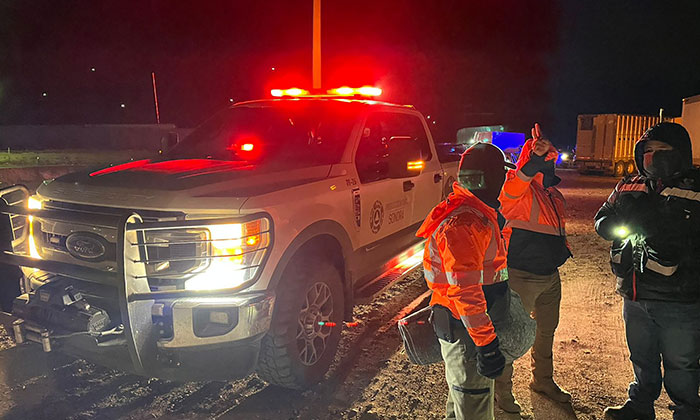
(236, 253)
(33, 203)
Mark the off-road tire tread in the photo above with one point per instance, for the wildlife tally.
(275, 363)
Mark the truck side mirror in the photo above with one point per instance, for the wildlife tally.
(168, 141)
(405, 158)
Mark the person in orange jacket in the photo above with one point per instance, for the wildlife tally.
(535, 236)
(465, 267)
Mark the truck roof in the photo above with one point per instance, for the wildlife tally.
(618, 114)
(323, 98)
(691, 99)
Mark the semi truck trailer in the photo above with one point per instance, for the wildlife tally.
(605, 142)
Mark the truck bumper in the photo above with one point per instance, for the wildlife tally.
(200, 339)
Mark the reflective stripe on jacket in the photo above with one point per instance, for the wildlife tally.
(527, 204)
(464, 251)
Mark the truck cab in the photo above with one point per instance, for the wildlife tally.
(242, 248)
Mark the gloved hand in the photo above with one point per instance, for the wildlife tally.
(490, 362)
(541, 157)
(537, 164)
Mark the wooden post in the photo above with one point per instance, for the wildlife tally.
(316, 52)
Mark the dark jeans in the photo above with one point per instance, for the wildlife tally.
(670, 330)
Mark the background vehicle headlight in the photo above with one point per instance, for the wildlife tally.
(236, 254)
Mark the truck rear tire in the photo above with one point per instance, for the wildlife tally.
(630, 168)
(619, 170)
(298, 349)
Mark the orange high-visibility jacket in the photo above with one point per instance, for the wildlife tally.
(464, 251)
(527, 204)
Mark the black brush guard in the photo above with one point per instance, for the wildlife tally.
(135, 298)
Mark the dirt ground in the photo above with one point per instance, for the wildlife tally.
(371, 377)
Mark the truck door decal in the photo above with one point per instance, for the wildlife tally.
(357, 206)
(376, 217)
(396, 210)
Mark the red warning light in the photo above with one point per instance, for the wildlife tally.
(352, 324)
(278, 93)
(247, 147)
(343, 91)
(363, 91)
(369, 91)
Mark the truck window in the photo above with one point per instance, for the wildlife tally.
(412, 126)
(372, 152)
(280, 135)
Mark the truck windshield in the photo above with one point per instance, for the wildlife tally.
(287, 135)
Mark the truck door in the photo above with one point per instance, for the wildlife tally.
(386, 204)
(429, 183)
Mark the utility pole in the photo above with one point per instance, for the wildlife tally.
(316, 51)
(155, 96)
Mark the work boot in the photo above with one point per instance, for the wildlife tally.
(505, 399)
(550, 389)
(626, 412)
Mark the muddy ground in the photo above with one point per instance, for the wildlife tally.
(371, 378)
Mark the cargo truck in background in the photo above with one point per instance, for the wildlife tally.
(605, 142)
(690, 118)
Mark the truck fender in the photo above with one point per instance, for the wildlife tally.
(319, 229)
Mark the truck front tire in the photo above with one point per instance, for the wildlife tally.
(300, 346)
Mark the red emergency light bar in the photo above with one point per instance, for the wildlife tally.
(343, 91)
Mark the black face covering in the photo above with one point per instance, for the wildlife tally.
(485, 185)
(663, 164)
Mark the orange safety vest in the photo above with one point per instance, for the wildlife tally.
(463, 252)
(527, 204)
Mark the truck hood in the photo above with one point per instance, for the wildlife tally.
(188, 185)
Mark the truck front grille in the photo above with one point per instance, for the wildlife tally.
(51, 236)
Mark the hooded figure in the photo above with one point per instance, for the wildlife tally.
(665, 164)
(653, 221)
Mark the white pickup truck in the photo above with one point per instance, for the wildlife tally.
(244, 247)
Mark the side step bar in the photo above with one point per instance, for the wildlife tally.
(367, 292)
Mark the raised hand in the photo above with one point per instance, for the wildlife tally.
(542, 145)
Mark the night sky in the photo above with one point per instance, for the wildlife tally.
(465, 63)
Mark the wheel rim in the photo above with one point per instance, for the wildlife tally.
(312, 334)
(619, 170)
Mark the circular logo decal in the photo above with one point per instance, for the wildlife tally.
(86, 246)
(376, 216)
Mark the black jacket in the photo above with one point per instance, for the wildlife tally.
(660, 258)
(536, 253)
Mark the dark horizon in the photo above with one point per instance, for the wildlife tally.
(465, 65)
